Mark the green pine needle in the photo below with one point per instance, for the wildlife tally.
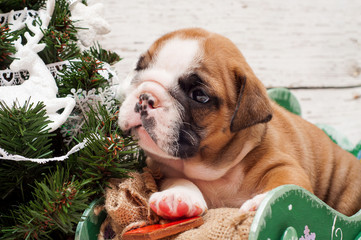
(61, 36)
(8, 5)
(24, 130)
(59, 46)
(104, 55)
(16, 177)
(82, 74)
(59, 201)
(108, 153)
(6, 47)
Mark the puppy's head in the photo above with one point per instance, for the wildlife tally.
(192, 90)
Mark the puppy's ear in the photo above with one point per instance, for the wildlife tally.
(253, 105)
(143, 61)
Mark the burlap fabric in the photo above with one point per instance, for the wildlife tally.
(126, 203)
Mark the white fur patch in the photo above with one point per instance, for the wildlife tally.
(177, 56)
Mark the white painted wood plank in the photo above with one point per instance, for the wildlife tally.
(287, 43)
(339, 108)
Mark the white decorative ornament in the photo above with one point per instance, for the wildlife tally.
(17, 16)
(14, 157)
(71, 2)
(84, 101)
(89, 20)
(41, 85)
(10, 78)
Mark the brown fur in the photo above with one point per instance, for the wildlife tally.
(284, 150)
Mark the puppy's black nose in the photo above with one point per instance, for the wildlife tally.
(146, 100)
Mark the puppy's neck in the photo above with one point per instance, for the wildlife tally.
(209, 166)
(212, 163)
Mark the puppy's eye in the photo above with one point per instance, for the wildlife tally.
(199, 95)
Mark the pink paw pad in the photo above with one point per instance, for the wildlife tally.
(172, 207)
(164, 207)
(182, 208)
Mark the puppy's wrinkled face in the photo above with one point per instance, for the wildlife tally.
(165, 92)
(183, 95)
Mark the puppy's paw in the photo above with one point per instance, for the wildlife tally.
(252, 204)
(172, 203)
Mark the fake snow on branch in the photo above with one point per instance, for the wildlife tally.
(41, 85)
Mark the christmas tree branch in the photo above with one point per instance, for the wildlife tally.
(59, 201)
(109, 153)
(8, 5)
(24, 129)
(104, 55)
(7, 49)
(45, 201)
(82, 74)
(61, 36)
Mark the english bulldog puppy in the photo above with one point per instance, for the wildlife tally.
(205, 120)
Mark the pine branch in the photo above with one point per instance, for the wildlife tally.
(8, 5)
(109, 153)
(59, 201)
(61, 36)
(6, 47)
(24, 130)
(59, 46)
(104, 55)
(83, 74)
(16, 178)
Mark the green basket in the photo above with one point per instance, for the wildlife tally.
(89, 226)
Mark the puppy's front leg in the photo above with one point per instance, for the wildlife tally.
(178, 198)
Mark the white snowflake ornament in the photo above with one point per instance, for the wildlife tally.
(41, 85)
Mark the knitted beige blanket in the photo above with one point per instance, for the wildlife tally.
(126, 203)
